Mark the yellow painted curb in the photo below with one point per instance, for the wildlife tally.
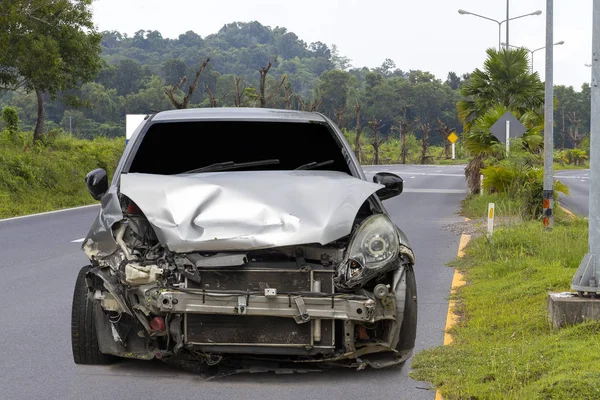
(457, 281)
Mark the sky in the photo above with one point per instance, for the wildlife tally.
(429, 35)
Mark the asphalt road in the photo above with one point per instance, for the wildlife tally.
(40, 257)
(578, 182)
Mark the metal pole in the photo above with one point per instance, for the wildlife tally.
(586, 277)
(507, 138)
(532, 62)
(70, 130)
(500, 36)
(507, 21)
(547, 204)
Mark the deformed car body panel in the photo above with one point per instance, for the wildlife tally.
(247, 210)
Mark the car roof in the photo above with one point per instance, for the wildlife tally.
(237, 114)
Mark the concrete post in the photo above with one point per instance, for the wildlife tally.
(586, 277)
(548, 217)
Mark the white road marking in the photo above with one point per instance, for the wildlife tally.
(412, 177)
(48, 212)
(78, 240)
(583, 180)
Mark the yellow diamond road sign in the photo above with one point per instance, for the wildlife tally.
(452, 137)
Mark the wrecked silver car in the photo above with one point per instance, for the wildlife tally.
(235, 237)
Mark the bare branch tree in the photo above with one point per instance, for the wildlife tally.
(263, 79)
(376, 126)
(172, 91)
(404, 126)
(445, 132)
(426, 129)
(573, 131)
(239, 91)
(339, 116)
(312, 105)
(289, 95)
(277, 88)
(357, 149)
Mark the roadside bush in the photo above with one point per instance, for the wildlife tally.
(47, 175)
(520, 176)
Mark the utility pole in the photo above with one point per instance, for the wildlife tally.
(507, 21)
(70, 130)
(547, 205)
(587, 276)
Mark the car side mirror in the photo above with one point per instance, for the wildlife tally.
(392, 182)
(97, 183)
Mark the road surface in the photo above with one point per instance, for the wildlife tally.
(578, 182)
(40, 257)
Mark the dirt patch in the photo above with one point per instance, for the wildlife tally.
(478, 227)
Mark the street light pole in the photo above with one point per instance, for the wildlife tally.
(533, 51)
(587, 276)
(465, 12)
(548, 199)
(507, 19)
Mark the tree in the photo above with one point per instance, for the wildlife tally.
(376, 126)
(172, 91)
(173, 71)
(10, 117)
(334, 86)
(50, 46)
(262, 83)
(504, 84)
(358, 131)
(505, 80)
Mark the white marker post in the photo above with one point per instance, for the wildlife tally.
(507, 137)
(490, 227)
(453, 151)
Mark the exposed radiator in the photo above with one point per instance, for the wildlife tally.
(230, 333)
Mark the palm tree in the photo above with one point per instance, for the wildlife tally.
(504, 84)
(505, 80)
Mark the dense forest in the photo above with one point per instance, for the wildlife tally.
(249, 64)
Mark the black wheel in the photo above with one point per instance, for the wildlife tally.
(408, 332)
(83, 326)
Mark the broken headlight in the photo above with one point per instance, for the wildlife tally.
(374, 245)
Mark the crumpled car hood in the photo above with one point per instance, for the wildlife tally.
(245, 210)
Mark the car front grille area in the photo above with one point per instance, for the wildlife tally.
(261, 334)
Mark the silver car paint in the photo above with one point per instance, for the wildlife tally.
(247, 210)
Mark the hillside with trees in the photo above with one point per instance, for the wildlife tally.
(252, 65)
(245, 64)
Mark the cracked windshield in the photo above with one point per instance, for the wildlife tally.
(300, 200)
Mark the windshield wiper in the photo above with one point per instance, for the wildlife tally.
(314, 164)
(227, 165)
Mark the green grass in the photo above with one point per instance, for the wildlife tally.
(559, 166)
(476, 206)
(458, 161)
(504, 346)
(37, 177)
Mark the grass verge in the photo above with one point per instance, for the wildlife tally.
(561, 167)
(49, 175)
(504, 346)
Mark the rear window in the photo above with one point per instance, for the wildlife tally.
(177, 147)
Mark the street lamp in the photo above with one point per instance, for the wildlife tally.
(533, 51)
(464, 12)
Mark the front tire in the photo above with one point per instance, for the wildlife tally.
(408, 332)
(84, 340)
